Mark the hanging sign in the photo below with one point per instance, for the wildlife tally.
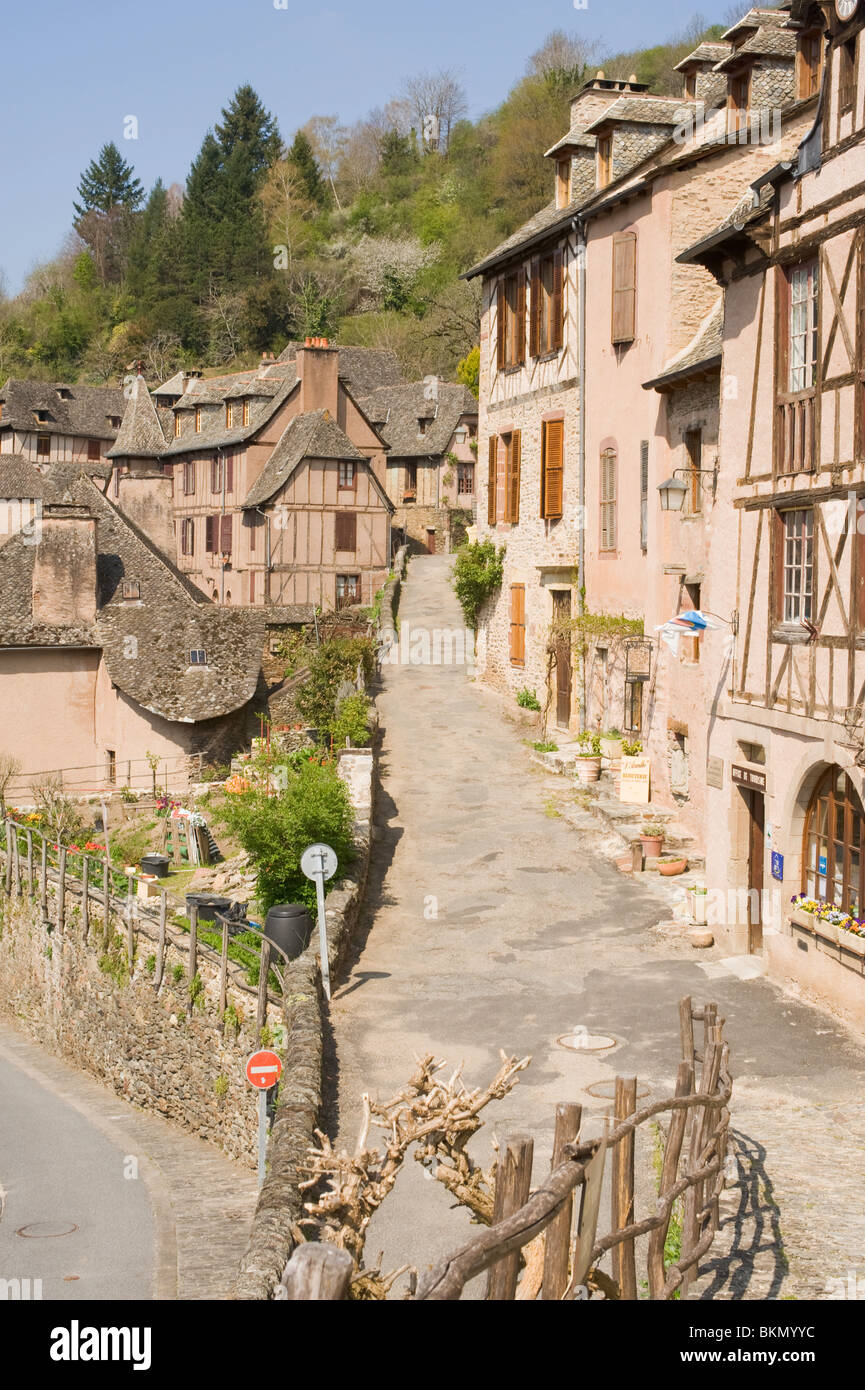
(638, 661)
(747, 777)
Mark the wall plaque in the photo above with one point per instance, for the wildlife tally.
(715, 772)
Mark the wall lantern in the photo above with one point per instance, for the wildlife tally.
(673, 493)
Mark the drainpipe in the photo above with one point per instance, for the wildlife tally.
(221, 456)
(579, 227)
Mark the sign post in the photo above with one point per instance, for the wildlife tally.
(263, 1070)
(319, 864)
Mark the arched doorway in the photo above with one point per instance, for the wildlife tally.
(832, 861)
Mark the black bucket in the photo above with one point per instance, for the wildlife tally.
(289, 926)
(155, 864)
(208, 905)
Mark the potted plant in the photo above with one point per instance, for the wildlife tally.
(612, 744)
(698, 903)
(652, 838)
(589, 757)
(671, 864)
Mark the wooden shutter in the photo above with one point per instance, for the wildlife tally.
(624, 287)
(492, 482)
(225, 530)
(535, 312)
(608, 499)
(518, 625)
(501, 324)
(644, 495)
(229, 473)
(557, 305)
(512, 479)
(520, 335)
(210, 534)
(552, 468)
(346, 531)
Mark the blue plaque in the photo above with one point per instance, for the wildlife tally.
(777, 865)
(822, 864)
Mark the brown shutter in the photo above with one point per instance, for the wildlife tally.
(552, 468)
(210, 534)
(557, 307)
(229, 473)
(512, 479)
(521, 318)
(492, 482)
(518, 625)
(608, 499)
(501, 324)
(345, 537)
(624, 287)
(225, 530)
(535, 312)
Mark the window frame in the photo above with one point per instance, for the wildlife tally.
(344, 466)
(348, 600)
(821, 831)
(189, 479)
(802, 598)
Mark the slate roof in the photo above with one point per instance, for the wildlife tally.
(140, 433)
(313, 435)
(742, 215)
(84, 412)
(767, 42)
(22, 479)
(214, 433)
(642, 110)
(702, 354)
(755, 18)
(171, 619)
(364, 369)
(704, 53)
(396, 410)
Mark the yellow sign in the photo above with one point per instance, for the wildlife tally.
(635, 780)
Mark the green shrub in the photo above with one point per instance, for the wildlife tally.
(220, 1087)
(331, 664)
(352, 721)
(528, 699)
(546, 747)
(275, 830)
(478, 572)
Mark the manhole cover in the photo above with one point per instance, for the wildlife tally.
(606, 1090)
(42, 1230)
(581, 1040)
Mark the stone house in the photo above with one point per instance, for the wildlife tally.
(210, 468)
(51, 422)
(431, 429)
(108, 653)
(786, 745)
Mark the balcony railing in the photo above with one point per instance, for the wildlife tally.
(795, 440)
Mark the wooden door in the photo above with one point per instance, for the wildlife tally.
(431, 541)
(564, 675)
(756, 857)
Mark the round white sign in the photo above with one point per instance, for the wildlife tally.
(845, 9)
(319, 859)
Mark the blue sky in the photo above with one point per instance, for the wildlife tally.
(86, 66)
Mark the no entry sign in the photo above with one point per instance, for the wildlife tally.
(263, 1070)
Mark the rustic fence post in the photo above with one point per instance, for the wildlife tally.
(694, 1196)
(106, 902)
(61, 891)
(43, 879)
(130, 918)
(8, 858)
(30, 863)
(193, 952)
(16, 864)
(85, 899)
(513, 1181)
(557, 1245)
(686, 1029)
(223, 971)
(261, 1011)
(317, 1273)
(622, 1194)
(160, 947)
(669, 1174)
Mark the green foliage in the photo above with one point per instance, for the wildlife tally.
(108, 182)
(220, 1086)
(528, 699)
(275, 830)
(150, 965)
(351, 722)
(547, 747)
(477, 574)
(177, 973)
(196, 992)
(469, 371)
(333, 663)
(303, 161)
(231, 1018)
(114, 960)
(590, 744)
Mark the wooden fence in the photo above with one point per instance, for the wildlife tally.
(565, 1207)
(38, 868)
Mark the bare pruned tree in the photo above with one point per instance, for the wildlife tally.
(328, 139)
(437, 100)
(563, 58)
(9, 770)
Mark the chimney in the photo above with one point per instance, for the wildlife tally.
(147, 499)
(64, 568)
(318, 370)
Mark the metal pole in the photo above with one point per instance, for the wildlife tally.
(322, 930)
(262, 1135)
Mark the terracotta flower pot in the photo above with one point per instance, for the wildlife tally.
(588, 769)
(651, 845)
(673, 867)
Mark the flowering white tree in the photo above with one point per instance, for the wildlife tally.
(388, 267)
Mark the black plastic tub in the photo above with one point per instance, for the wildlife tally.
(208, 905)
(155, 864)
(289, 926)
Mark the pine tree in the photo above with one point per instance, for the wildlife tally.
(108, 182)
(303, 159)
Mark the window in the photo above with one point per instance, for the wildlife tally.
(563, 182)
(246, 412)
(43, 446)
(847, 76)
(252, 526)
(694, 462)
(409, 491)
(690, 92)
(605, 160)
(740, 92)
(228, 415)
(198, 657)
(216, 475)
(518, 625)
(552, 467)
(252, 586)
(111, 770)
(624, 287)
(511, 320)
(177, 424)
(797, 575)
(803, 280)
(347, 475)
(187, 536)
(633, 717)
(189, 478)
(347, 590)
(114, 421)
(832, 846)
(345, 531)
(211, 534)
(465, 479)
(503, 482)
(229, 473)
(198, 419)
(808, 64)
(131, 589)
(94, 452)
(644, 495)
(422, 425)
(546, 329)
(608, 499)
(512, 478)
(493, 481)
(225, 534)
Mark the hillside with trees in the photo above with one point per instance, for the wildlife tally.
(359, 233)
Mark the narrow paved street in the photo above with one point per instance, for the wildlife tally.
(99, 1200)
(537, 933)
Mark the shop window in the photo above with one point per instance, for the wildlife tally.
(832, 858)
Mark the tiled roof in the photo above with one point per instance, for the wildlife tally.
(313, 435)
(140, 434)
(701, 354)
(576, 138)
(704, 53)
(396, 411)
(170, 620)
(81, 410)
(214, 434)
(21, 479)
(642, 110)
(291, 613)
(766, 42)
(776, 17)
